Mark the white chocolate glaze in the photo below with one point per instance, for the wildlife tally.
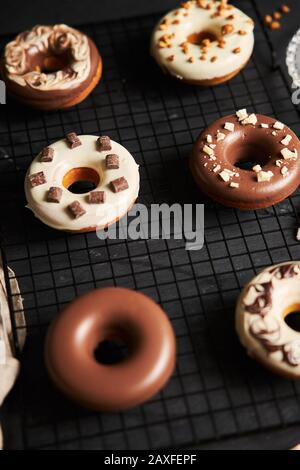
(46, 40)
(86, 155)
(188, 66)
(260, 318)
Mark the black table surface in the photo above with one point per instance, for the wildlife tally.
(19, 15)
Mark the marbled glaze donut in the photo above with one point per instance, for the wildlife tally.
(106, 164)
(111, 314)
(51, 67)
(203, 42)
(261, 309)
(220, 155)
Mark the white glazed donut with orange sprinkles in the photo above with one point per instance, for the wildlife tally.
(204, 42)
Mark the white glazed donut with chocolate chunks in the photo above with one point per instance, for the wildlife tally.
(98, 160)
(204, 42)
(260, 318)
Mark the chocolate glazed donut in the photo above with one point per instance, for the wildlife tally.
(247, 161)
(110, 314)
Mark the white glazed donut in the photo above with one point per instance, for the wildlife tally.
(260, 313)
(204, 42)
(78, 158)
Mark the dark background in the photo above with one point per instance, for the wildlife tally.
(19, 15)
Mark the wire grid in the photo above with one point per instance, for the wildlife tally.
(216, 391)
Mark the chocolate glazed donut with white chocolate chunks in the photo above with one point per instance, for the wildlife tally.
(203, 42)
(106, 165)
(51, 67)
(247, 161)
(260, 318)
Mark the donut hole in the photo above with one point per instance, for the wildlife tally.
(81, 180)
(117, 344)
(292, 317)
(111, 351)
(46, 63)
(247, 155)
(198, 38)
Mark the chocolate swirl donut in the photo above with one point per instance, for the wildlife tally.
(260, 313)
(51, 66)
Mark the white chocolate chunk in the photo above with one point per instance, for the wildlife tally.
(264, 126)
(286, 140)
(234, 185)
(278, 163)
(242, 114)
(220, 136)
(256, 168)
(274, 133)
(209, 139)
(278, 125)
(264, 176)
(284, 170)
(224, 176)
(252, 119)
(231, 173)
(288, 154)
(217, 168)
(212, 146)
(229, 126)
(298, 235)
(208, 150)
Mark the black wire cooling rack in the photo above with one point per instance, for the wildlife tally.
(216, 392)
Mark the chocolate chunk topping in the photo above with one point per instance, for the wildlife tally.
(76, 210)
(73, 140)
(112, 161)
(97, 197)
(37, 179)
(54, 194)
(104, 143)
(47, 154)
(120, 184)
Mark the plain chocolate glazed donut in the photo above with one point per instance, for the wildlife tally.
(247, 161)
(107, 314)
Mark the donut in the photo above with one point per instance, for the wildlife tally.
(51, 67)
(246, 161)
(260, 318)
(111, 313)
(106, 165)
(204, 42)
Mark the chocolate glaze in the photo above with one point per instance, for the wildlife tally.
(54, 99)
(263, 301)
(285, 271)
(106, 314)
(245, 140)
